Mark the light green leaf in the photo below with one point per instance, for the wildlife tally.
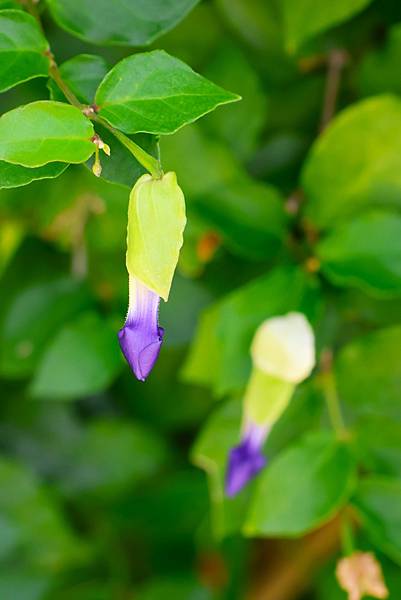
(227, 334)
(378, 501)
(356, 163)
(22, 49)
(302, 488)
(365, 252)
(134, 23)
(82, 74)
(305, 18)
(156, 93)
(43, 132)
(156, 222)
(12, 176)
(368, 372)
(82, 359)
(210, 453)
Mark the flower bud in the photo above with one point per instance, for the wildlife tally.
(284, 347)
(360, 575)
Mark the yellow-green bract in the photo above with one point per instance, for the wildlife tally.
(156, 221)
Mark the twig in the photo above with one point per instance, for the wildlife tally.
(337, 60)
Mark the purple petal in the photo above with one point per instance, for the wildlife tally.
(246, 460)
(141, 337)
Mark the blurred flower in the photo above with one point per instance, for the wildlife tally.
(360, 575)
(246, 459)
(283, 354)
(141, 337)
(284, 347)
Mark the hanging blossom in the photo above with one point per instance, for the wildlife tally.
(156, 221)
(360, 575)
(283, 355)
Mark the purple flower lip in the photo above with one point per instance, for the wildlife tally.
(141, 337)
(245, 460)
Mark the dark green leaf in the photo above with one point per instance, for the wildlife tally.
(365, 252)
(133, 23)
(121, 167)
(340, 181)
(22, 49)
(379, 71)
(305, 18)
(82, 74)
(156, 93)
(379, 443)
(30, 319)
(82, 359)
(368, 373)
(15, 175)
(43, 132)
(378, 501)
(109, 458)
(248, 215)
(302, 488)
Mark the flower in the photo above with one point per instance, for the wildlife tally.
(360, 575)
(246, 460)
(141, 337)
(284, 347)
(283, 355)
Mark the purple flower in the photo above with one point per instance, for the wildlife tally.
(246, 460)
(141, 337)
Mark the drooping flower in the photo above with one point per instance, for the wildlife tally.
(283, 355)
(246, 460)
(156, 221)
(141, 337)
(360, 575)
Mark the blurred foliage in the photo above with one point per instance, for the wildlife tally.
(112, 489)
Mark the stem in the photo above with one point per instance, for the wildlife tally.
(329, 388)
(150, 163)
(336, 61)
(347, 535)
(56, 76)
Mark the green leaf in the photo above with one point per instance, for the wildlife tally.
(82, 74)
(302, 488)
(177, 588)
(365, 252)
(156, 93)
(248, 215)
(378, 72)
(210, 453)
(121, 167)
(133, 23)
(219, 356)
(82, 359)
(43, 132)
(45, 540)
(31, 317)
(22, 49)
(156, 222)
(305, 18)
(368, 372)
(109, 458)
(378, 501)
(339, 181)
(21, 584)
(12, 176)
(379, 443)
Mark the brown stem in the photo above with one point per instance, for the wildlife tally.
(337, 60)
(286, 567)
